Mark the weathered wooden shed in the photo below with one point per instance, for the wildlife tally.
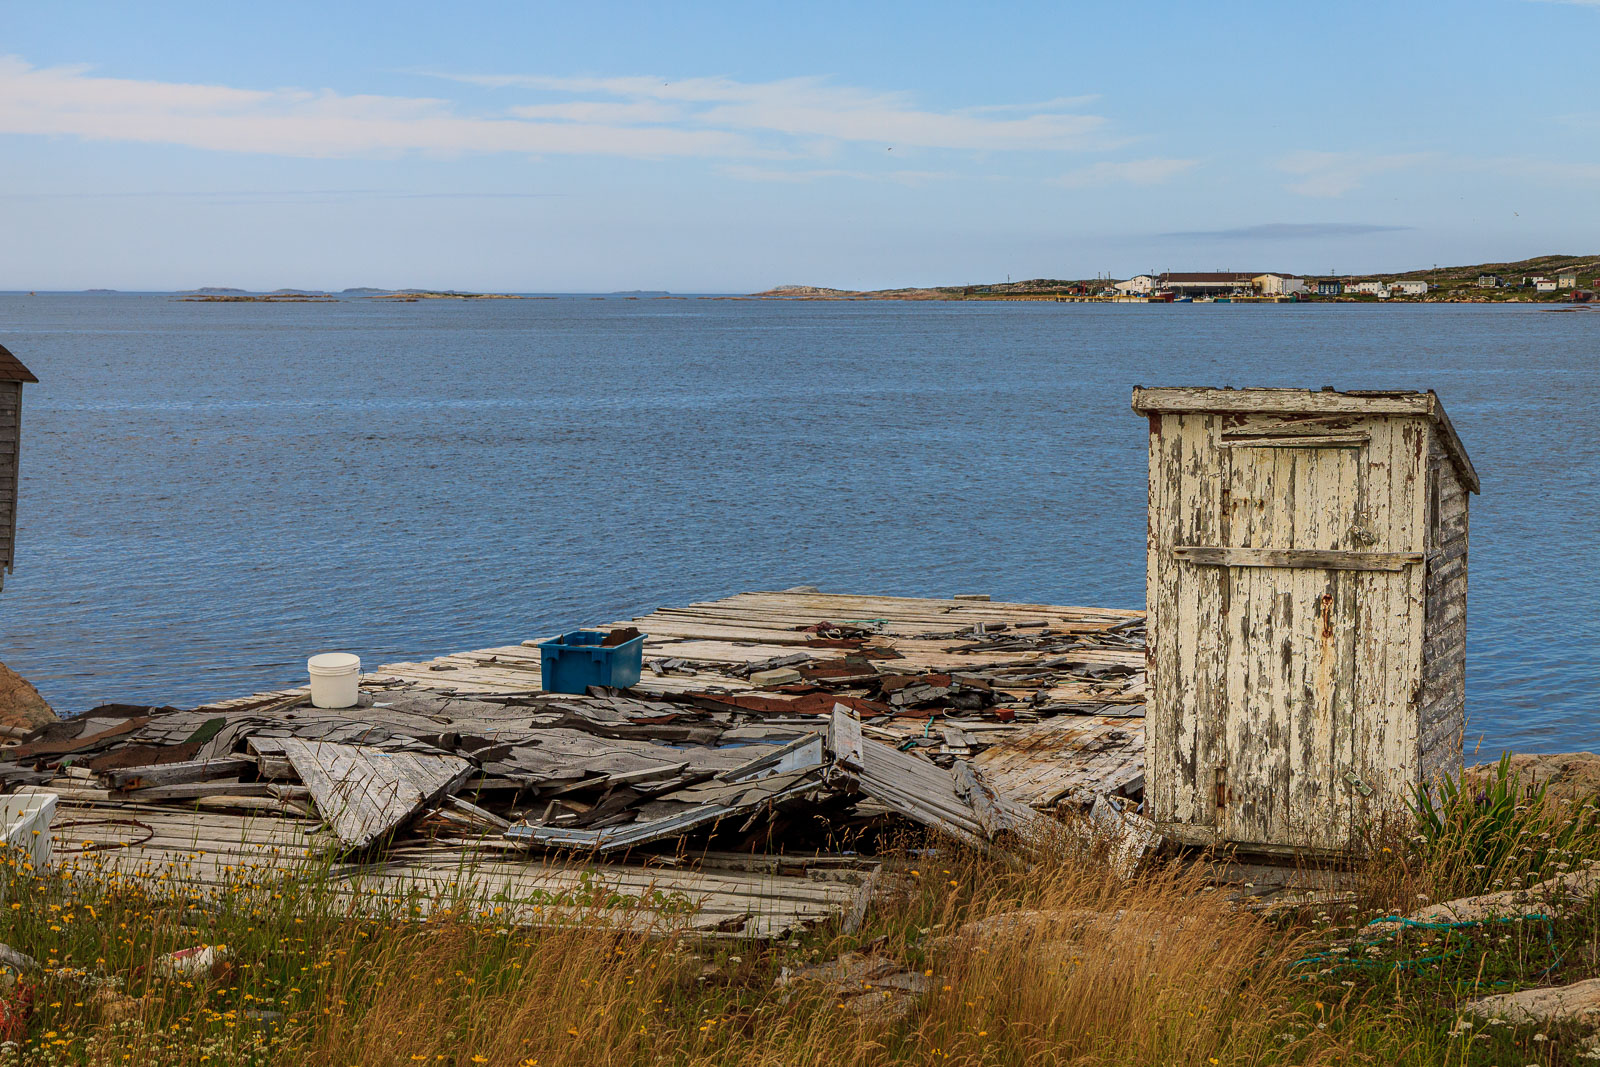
(12, 375)
(1307, 590)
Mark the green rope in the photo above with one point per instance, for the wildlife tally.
(1452, 931)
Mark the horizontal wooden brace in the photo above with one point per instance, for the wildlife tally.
(1305, 440)
(1309, 558)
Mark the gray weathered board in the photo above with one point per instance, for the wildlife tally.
(203, 854)
(957, 801)
(364, 793)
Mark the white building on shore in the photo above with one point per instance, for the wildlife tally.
(1409, 288)
(1143, 284)
(1278, 284)
(1215, 283)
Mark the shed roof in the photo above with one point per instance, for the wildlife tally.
(1213, 276)
(1265, 401)
(11, 368)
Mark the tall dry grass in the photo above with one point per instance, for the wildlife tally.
(1059, 963)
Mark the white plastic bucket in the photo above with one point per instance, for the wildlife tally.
(334, 679)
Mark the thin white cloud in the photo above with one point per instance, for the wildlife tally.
(1059, 103)
(299, 122)
(1291, 231)
(649, 117)
(815, 107)
(744, 172)
(628, 114)
(1543, 171)
(1130, 172)
(1332, 174)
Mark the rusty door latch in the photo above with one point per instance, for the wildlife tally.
(1354, 781)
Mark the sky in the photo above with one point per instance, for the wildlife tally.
(728, 148)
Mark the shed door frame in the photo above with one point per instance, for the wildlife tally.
(1289, 568)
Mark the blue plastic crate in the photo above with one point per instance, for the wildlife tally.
(574, 661)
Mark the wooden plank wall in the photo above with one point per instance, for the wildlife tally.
(1444, 656)
(10, 431)
(1184, 658)
(1389, 619)
(1290, 675)
(1228, 645)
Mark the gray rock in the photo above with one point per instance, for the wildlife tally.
(1578, 1003)
(1553, 896)
(20, 962)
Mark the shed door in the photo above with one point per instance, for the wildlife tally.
(1291, 566)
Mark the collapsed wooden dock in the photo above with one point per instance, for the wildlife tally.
(767, 727)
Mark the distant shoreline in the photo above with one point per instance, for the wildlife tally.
(1540, 302)
(1542, 279)
(1056, 298)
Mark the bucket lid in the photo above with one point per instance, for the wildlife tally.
(334, 661)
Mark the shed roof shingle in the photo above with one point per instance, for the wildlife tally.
(11, 368)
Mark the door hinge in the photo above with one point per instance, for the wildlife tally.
(1354, 781)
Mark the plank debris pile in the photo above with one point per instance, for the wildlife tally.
(768, 725)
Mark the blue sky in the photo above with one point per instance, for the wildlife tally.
(592, 147)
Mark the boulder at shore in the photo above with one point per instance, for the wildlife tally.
(21, 706)
(1569, 775)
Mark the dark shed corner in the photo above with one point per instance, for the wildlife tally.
(11, 368)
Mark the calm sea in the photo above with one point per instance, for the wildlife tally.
(213, 491)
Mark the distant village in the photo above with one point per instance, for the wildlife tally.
(1552, 279)
(1237, 286)
(1247, 285)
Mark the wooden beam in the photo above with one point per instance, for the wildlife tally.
(844, 737)
(1304, 440)
(177, 773)
(1281, 401)
(1307, 558)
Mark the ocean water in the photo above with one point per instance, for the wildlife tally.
(211, 492)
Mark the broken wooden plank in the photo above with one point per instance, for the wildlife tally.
(800, 754)
(996, 814)
(1131, 836)
(844, 737)
(739, 798)
(472, 810)
(177, 773)
(194, 790)
(364, 793)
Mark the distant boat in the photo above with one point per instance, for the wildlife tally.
(1183, 300)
